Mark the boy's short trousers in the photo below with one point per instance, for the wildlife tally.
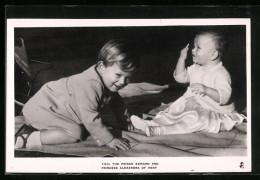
(48, 109)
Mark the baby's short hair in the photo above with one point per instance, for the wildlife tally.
(118, 51)
(218, 38)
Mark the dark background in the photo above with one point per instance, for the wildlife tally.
(71, 50)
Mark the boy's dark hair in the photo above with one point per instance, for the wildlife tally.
(118, 51)
(219, 38)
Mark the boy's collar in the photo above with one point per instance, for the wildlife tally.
(100, 77)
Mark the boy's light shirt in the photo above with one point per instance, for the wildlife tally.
(89, 98)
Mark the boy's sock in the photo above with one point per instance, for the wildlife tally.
(34, 139)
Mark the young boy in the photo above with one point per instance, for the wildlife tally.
(64, 111)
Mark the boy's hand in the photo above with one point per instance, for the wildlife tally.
(119, 143)
(198, 89)
(184, 52)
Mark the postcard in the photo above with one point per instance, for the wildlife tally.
(179, 126)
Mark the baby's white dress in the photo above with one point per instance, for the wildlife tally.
(191, 112)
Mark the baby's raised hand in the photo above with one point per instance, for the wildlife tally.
(119, 143)
(184, 52)
(198, 89)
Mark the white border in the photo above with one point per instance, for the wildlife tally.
(93, 165)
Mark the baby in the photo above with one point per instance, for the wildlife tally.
(205, 106)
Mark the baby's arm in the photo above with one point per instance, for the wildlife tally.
(222, 90)
(180, 67)
(204, 90)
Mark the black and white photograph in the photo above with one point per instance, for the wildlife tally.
(124, 95)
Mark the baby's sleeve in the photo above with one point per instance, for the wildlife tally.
(88, 97)
(223, 86)
(184, 77)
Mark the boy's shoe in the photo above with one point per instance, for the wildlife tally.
(154, 130)
(138, 123)
(24, 132)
